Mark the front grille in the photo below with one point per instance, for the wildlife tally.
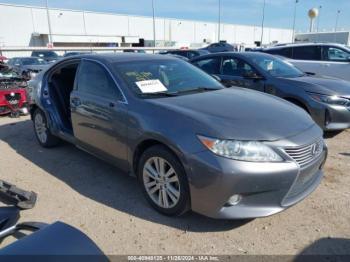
(13, 97)
(304, 155)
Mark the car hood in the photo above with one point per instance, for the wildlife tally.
(237, 113)
(322, 85)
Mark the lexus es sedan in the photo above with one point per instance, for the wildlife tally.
(326, 99)
(192, 144)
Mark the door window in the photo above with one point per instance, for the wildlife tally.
(335, 54)
(95, 80)
(235, 67)
(210, 65)
(307, 53)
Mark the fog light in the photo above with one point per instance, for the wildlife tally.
(234, 200)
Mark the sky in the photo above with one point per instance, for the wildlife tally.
(278, 13)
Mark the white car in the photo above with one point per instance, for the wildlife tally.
(322, 59)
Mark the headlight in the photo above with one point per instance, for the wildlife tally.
(331, 100)
(252, 151)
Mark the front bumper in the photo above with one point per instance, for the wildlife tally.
(331, 117)
(266, 188)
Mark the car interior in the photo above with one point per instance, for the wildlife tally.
(61, 84)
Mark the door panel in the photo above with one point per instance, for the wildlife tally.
(233, 73)
(98, 118)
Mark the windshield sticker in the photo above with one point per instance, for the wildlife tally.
(151, 86)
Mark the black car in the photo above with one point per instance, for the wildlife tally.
(327, 100)
(47, 55)
(219, 47)
(73, 53)
(187, 53)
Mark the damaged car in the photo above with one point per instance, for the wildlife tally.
(28, 67)
(191, 143)
(13, 95)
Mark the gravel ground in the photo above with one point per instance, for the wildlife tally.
(108, 206)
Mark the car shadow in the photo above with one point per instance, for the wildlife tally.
(325, 250)
(100, 181)
(345, 154)
(331, 134)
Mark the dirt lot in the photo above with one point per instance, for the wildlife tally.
(83, 191)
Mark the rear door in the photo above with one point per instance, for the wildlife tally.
(234, 72)
(98, 112)
(308, 58)
(336, 62)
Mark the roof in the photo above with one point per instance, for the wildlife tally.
(122, 57)
(235, 54)
(302, 44)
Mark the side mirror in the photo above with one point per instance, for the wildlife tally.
(252, 75)
(217, 78)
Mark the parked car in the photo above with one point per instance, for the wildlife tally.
(327, 100)
(13, 98)
(323, 59)
(187, 53)
(192, 144)
(218, 47)
(73, 53)
(47, 55)
(28, 67)
(134, 51)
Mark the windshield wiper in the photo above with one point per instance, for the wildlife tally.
(197, 89)
(158, 94)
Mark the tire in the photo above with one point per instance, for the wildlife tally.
(171, 195)
(42, 132)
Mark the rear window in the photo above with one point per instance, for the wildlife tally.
(307, 53)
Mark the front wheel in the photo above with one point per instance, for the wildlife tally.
(164, 181)
(42, 132)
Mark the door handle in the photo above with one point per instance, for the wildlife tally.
(75, 102)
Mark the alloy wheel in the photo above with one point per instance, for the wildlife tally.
(161, 182)
(40, 128)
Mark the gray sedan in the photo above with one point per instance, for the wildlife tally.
(326, 99)
(192, 144)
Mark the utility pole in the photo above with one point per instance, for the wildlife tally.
(154, 26)
(294, 18)
(262, 24)
(318, 18)
(336, 21)
(219, 21)
(49, 21)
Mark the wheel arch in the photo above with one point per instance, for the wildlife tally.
(143, 145)
(298, 102)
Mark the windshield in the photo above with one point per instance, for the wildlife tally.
(277, 67)
(49, 54)
(33, 61)
(165, 76)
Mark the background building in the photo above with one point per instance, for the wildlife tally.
(23, 26)
(325, 37)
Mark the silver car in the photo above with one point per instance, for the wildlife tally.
(192, 144)
(320, 58)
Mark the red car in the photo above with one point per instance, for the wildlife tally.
(13, 97)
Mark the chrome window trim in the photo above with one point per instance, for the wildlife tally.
(124, 101)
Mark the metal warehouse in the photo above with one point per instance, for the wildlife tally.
(28, 26)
